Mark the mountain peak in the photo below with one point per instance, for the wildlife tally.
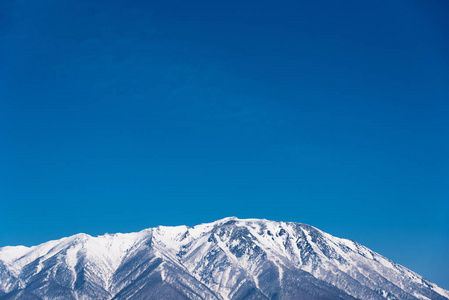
(230, 258)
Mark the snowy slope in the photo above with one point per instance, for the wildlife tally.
(226, 259)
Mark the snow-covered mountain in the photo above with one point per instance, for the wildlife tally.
(226, 259)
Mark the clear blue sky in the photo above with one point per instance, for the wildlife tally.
(121, 115)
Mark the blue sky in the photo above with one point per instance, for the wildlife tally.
(121, 116)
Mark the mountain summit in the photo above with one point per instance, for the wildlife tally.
(226, 259)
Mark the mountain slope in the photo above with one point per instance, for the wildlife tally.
(226, 259)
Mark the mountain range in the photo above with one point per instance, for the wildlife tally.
(227, 259)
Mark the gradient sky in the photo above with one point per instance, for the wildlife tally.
(117, 116)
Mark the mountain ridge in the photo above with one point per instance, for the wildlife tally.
(230, 258)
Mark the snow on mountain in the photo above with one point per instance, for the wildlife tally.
(226, 259)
